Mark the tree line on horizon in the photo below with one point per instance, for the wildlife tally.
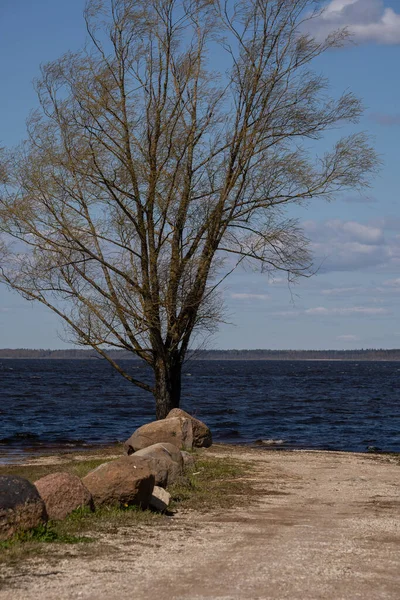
(234, 354)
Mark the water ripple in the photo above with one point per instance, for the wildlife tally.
(323, 405)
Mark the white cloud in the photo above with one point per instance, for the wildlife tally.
(344, 312)
(339, 245)
(250, 296)
(278, 281)
(392, 283)
(365, 234)
(366, 20)
(340, 291)
(322, 311)
(370, 234)
(347, 338)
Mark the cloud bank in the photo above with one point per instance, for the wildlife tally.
(348, 311)
(368, 21)
(245, 296)
(339, 245)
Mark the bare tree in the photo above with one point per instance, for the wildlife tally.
(162, 157)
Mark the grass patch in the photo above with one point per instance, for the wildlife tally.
(81, 527)
(77, 463)
(213, 483)
(107, 519)
(34, 542)
(43, 534)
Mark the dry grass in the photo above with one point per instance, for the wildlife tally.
(213, 483)
(35, 472)
(76, 464)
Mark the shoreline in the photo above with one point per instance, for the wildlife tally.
(116, 450)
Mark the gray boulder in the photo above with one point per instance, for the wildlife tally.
(21, 507)
(165, 459)
(160, 468)
(160, 499)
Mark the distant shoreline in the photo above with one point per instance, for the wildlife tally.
(381, 355)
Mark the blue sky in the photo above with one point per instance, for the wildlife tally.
(353, 300)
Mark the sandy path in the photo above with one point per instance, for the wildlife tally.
(324, 526)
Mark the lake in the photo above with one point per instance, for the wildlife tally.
(327, 405)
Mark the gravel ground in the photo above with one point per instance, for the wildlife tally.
(324, 525)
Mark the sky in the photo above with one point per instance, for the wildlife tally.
(352, 301)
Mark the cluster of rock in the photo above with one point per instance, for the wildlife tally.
(156, 455)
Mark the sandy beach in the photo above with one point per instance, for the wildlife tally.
(322, 525)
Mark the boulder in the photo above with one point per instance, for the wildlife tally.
(160, 499)
(21, 507)
(176, 431)
(202, 437)
(160, 468)
(188, 459)
(62, 494)
(163, 457)
(162, 450)
(126, 481)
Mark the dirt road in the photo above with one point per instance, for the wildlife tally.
(324, 525)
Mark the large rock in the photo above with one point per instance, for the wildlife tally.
(62, 494)
(202, 437)
(165, 459)
(126, 481)
(177, 431)
(160, 468)
(21, 507)
(160, 499)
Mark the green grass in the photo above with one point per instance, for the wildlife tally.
(107, 519)
(43, 534)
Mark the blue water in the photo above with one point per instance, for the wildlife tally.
(65, 404)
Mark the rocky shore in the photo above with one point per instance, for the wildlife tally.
(154, 459)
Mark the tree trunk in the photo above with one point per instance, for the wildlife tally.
(167, 391)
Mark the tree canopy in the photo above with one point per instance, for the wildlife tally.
(163, 156)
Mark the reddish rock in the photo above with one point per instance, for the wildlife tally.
(126, 481)
(163, 457)
(62, 494)
(176, 431)
(202, 437)
(21, 507)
